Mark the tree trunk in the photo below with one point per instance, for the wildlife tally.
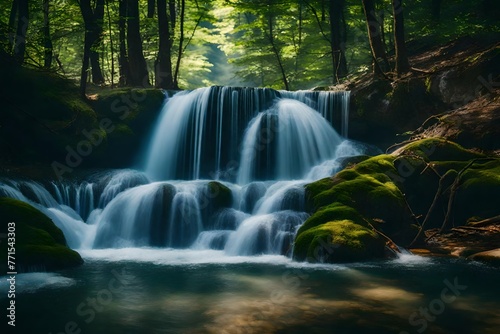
(172, 17)
(86, 9)
(85, 65)
(93, 19)
(339, 63)
(276, 51)
(111, 45)
(402, 64)
(137, 63)
(47, 41)
(12, 24)
(123, 66)
(22, 28)
(97, 29)
(181, 44)
(163, 64)
(380, 63)
(151, 9)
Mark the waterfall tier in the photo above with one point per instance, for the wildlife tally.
(225, 170)
(206, 133)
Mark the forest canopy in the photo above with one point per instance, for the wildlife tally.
(185, 44)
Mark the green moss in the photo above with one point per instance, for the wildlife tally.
(335, 211)
(128, 104)
(219, 195)
(366, 196)
(438, 149)
(39, 243)
(338, 241)
(478, 192)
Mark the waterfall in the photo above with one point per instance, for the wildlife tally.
(225, 170)
(285, 141)
(202, 133)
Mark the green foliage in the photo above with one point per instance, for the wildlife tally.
(231, 41)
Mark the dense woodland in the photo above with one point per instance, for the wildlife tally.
(185, 44)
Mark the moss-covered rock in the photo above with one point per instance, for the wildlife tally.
(478, 192)
(220, 195)
(39, 244)
(349, 206)
(214, 197)
(131, 114)
(338, 241)
(391, 192)
(438, 149)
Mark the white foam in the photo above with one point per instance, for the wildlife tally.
(31, 282)
(182, 257)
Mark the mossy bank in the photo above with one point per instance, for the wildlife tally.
(368, 207)
(39, 244)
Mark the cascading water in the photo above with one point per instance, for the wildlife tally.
(225, 170)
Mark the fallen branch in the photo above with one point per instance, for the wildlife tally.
(454, 188)
(486, 222)
(438, 194)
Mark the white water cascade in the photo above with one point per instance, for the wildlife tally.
(225, 170)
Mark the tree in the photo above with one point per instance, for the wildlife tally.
(123, 66)
(270, 36)
(337, 33)
(19, 41)
(402, 64)
(138, 75)
(47, 41)
(93, 30)
(163, 65)
(380, 63)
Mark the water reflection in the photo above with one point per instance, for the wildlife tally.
(266, 296)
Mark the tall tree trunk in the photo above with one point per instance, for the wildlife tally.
(22, 28)
(87, 45)
(137, 64)
(93, 19)
(164, 78)
(172, 17)
(380, 63)
(97, 29)
(111, 45)
(47, 41)
(339, 63)
(276, 51)
(12, 24)
(86, 9)
(181, 44)
(402, 64)
(123, 66)
(151, 9)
